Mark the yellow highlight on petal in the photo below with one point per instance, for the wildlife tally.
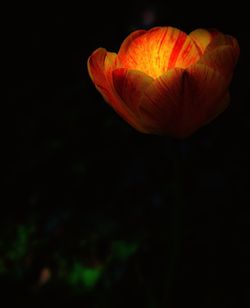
(158, 50)
(202, 38)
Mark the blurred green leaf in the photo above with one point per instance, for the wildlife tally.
(123, 250)
(20, 246)
(85, 276)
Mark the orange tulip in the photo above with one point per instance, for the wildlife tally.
(163, 81)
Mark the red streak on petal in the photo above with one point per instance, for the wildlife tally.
(186, 51)
(176, 49)
(163, 40)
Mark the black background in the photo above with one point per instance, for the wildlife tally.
(69, 152)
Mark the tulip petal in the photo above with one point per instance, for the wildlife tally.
(181, 101)
(222, 54)
(130, 86)
(161, 104)
(221, 40)
(100, 63)
(100, 66)
(221, 59)
(158, 50)
(221, 106)
(201, 38)
(128, 41)
(208, 92)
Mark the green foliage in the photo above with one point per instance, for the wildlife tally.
(84, 276)
(20, 245)
(24, 250)
(123, 250)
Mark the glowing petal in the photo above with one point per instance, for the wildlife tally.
(158, 50)
(100, 66)
(128, 41)
(201, 38)
(100, 63)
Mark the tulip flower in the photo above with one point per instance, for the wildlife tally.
(163, 81)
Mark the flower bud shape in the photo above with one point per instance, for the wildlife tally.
(165, 82)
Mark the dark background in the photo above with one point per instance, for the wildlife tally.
(81, 182)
